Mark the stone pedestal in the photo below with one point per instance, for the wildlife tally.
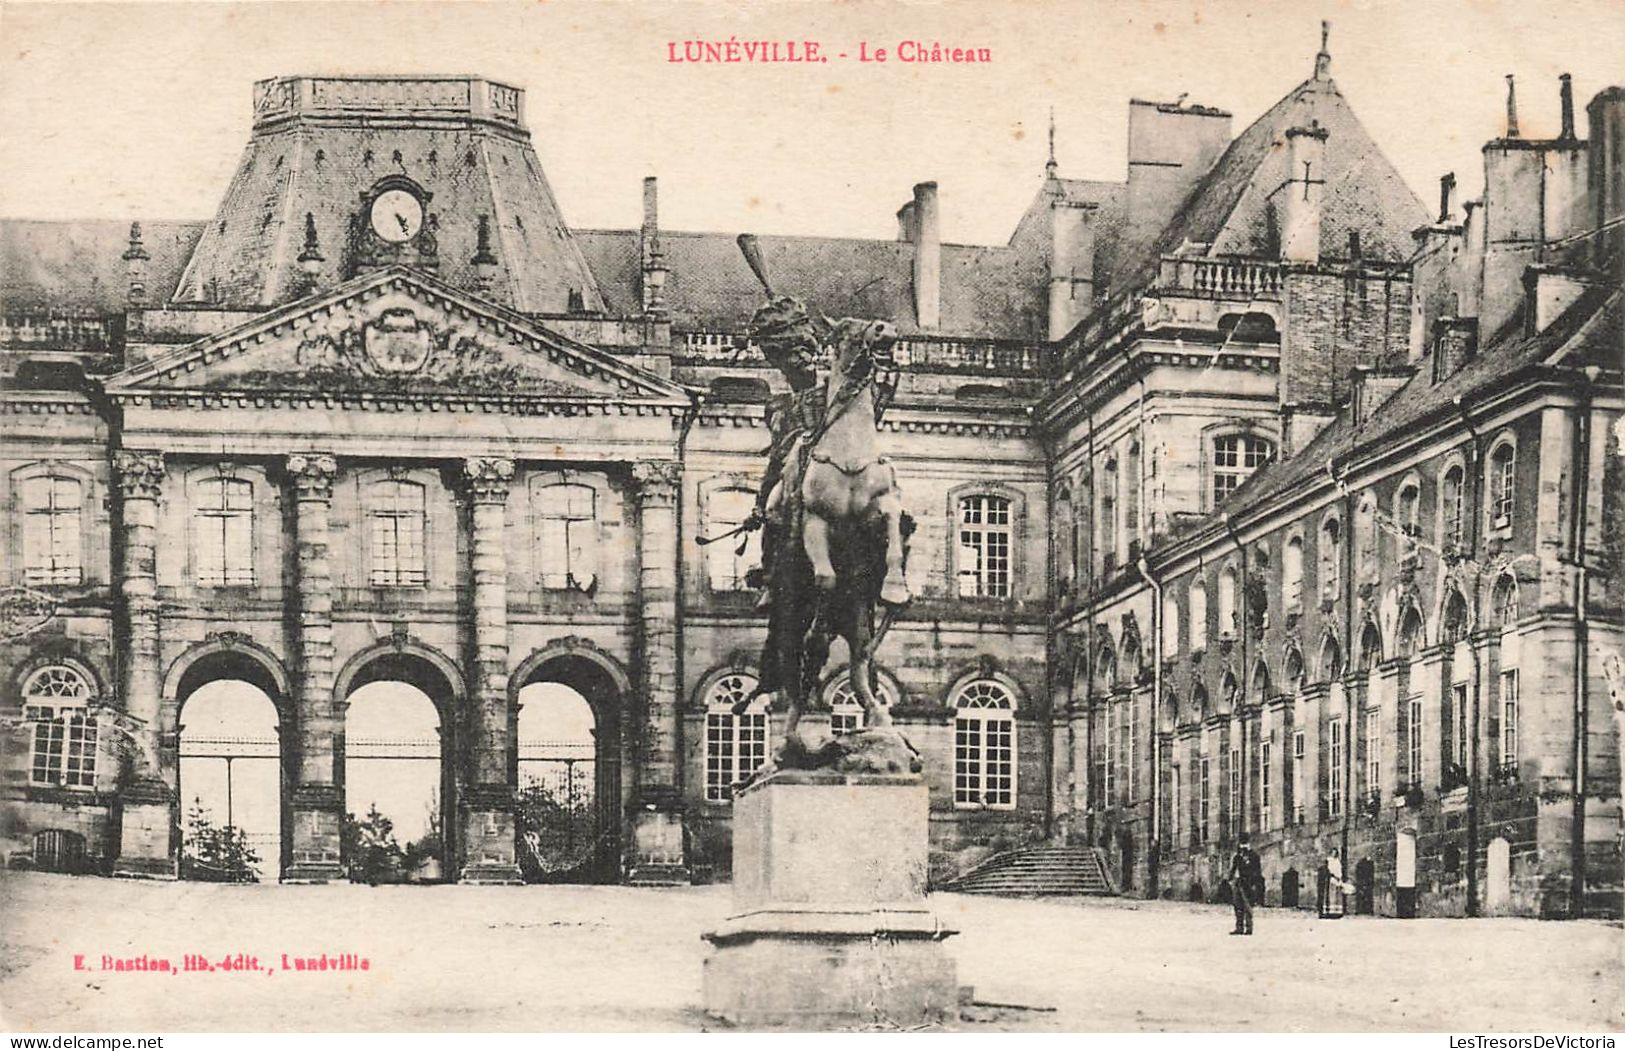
(146, 832)
(658, 858)
(317, 819)
(488, 836)
(830, 925)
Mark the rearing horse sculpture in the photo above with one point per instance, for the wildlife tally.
(839, 498)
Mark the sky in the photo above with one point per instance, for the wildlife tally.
(140, 110)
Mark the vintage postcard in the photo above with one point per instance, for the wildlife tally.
(1062, 516)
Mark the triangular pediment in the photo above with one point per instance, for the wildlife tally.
(397, 332)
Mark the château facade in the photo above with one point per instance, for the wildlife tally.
(1249, 496)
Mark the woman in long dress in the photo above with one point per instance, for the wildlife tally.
(1332, 902)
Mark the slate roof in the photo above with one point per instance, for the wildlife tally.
(1229, 208)
(1596, 317)
(78, 267)
(987, 291)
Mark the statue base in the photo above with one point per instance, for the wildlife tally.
(830, 927)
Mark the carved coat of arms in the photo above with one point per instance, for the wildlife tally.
(397, 342)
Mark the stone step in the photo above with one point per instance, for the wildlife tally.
(1036, 871)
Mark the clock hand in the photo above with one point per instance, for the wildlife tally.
(405, 227)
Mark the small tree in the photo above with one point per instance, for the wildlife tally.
(216, 855)
(421, 852)
(371, 853)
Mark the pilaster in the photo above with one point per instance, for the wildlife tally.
(488, 828)
(659, 855)
(317, 799)
(148, 835)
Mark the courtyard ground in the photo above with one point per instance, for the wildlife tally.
(618, 958)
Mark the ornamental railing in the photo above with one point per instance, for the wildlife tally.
(53, 331)
(921, 353)
(1220, 278)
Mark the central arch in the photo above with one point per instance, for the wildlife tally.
(225, 702)
(399, 702)
(566, 764)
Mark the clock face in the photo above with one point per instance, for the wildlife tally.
(396, 216)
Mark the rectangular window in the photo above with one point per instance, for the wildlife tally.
(1373, 751)
(1205, 788)
(1299, 801)
(397, 512)
(1131, 779)
(225, 533)
(1459, 743)
(567, 536)
(728, 560)
(64, 750)
(984, 547)
(984, 760)
(735, 746)
(1109, 787)
(1265, 815)
(1233, 819)
(1235, 457)
(1175, 787)
(1413, 748)
(1509, 719)
(1334, 773)
(51, 516)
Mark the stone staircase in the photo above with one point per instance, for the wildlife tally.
(1036, 871)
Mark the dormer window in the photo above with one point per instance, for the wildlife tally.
(1235, 458)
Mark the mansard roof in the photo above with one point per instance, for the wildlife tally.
(397, 335)
(1588, 333)
(1229, 210)
(77, 266)
(988, 291)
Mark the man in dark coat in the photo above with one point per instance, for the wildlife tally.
(1246, 878)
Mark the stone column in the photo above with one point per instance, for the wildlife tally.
(148, 832)
(317, 799)
(658, 854)
(488, 817)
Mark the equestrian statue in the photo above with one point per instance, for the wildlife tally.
(835, 535)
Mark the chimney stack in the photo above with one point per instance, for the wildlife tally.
(1512, 108)
(1447, 196)
(927, 224)
(1605, 114)
(653, 269)
(1300, 205)
(135, 268)
(484, 261)
(1071, 265)
(1323, 61)
(1566, 94)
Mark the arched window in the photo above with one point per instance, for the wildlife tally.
(1407, 513)
(1235, 458)
(1066, 543)
(566, 536)
(1502, 468)
(984, 746)
(1454, 626)
(1261, 683)
(396, 513)
(1105, 669)
(1370, 647)
(1198, 614)
(1227, 601)
(1365, 536)
(985, 548)
(1450, 509)
(845, 708)
(735, 745)
(1410, 634)
(1331, 557)
(1505, 602)
(1131, 494)
(1331, 660)
(1199, 702)
(1131, 658)
(1292, 575)
(727, 561)
(1170, 625)
(1292, 669)
(52, 551)
(1108, 516)
(55, 700)
(224, 523)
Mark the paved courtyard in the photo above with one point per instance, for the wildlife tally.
(617, 958)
